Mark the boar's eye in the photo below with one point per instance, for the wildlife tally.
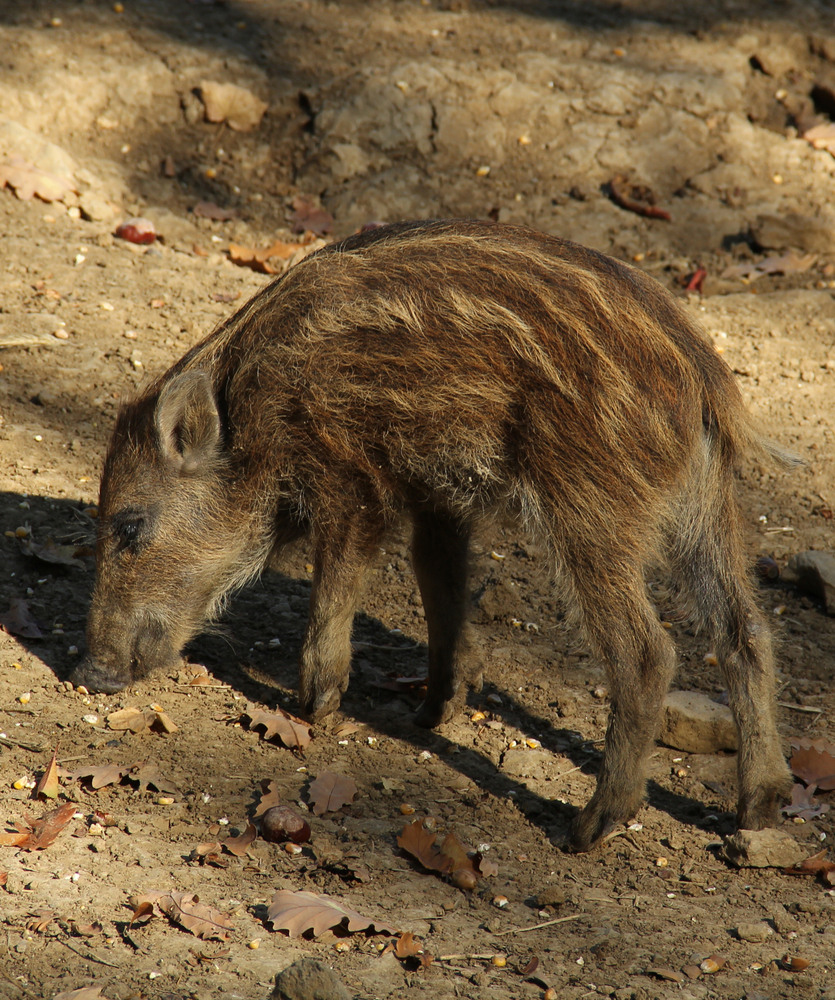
(127, 530)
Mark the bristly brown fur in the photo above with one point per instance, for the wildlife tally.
(450, 372)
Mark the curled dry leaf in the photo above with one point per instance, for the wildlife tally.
(240, 845)
(38, 922)
(330, 792)
(48, 786)
(274, 259)
(294, 733)
(54, 553)
(304, 912)
(37, 834)
(450, 859)
(814, 762)
(185, 910)
(269, 797)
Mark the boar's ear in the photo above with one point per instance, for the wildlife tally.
(187, 422)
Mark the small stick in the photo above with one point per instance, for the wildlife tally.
(90, 957)
(536, 927)
(486, 956)
(800, 708)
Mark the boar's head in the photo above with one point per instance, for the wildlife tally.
(172, 538)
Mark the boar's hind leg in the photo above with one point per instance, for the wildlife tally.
(639, 657)
(712, 568)
(440, 546)
(342, 554)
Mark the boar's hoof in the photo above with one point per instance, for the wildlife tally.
(588, 829)
(323, 705)
(95, 679)
(433, 713)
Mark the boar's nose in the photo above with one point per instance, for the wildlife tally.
(96, 678)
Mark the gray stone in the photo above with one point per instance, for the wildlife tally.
(814, 572)
(309, 979)
(755, 931)
(694, 723)
(763, 849)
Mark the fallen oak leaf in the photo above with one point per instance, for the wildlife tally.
(99, 775)
(185, 910)
(302, 912)
(84, 993)
(259, 259)
(462, 871)
(147, 776)
(29, 181)
(37, 834)
(293, 732)
(416, 840)
(804, 804)
(407, 946)
(330, 791)
(814, 762)
(18, 620)
(39, 921)
(139, 720)
(51, 552)
(269, 797)
(240, 845)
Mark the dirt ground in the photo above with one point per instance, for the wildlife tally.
(381, 110)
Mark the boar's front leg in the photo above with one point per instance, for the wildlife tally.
(440, 549)
(343, 550)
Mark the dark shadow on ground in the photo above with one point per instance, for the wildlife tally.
(240, 654)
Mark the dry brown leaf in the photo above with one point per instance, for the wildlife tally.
(100, 775)
(138, 720)
(38, 922)
(815, 865)
(48, 786)
(787, 263)
(4, 878)
(86, 930)
(18, 620)
(814, 762)
(259, 259)
(51, 552)
(240, 845)
(148, 776)
(302, 912)
(294, 733)
(37, 834)
(269, 797)
(407, 946)
(185, 910)
(416, 840)
(330, 792)
(30, 181)
(235, 105)
(310, 217)
(85, 993)
(804, 804)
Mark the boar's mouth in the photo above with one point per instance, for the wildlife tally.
(95, 677)
(118, 657)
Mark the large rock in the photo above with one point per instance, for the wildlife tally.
(814, 572)
(308, 979)
(763, 849)
(694, 723)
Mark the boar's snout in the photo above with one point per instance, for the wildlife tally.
(96, 677)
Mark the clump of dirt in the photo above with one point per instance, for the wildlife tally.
(694, 142)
